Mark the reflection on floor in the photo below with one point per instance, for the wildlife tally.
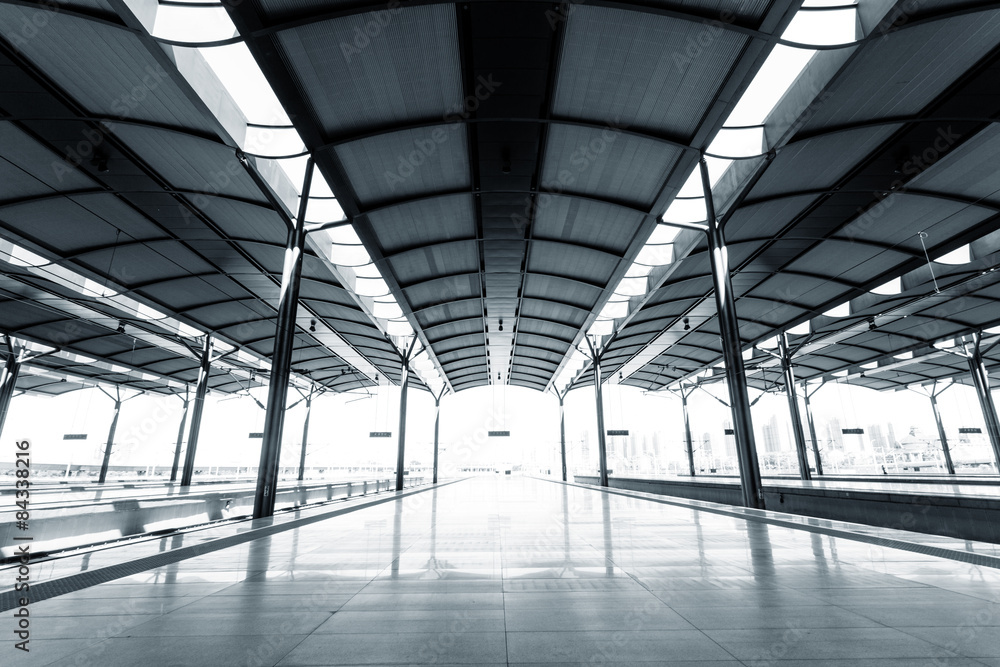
(517, 571)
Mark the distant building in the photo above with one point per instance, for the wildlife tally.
(772, 441)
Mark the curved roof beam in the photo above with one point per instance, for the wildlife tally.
(438, 244)
(970, 201)
(707, 19)
(675, 142)
(468, 192)
(477, 274)
(832, 130)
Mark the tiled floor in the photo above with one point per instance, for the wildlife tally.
(517, 571)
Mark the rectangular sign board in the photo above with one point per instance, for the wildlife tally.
(730, 431)
(499, 434)
(970, 429)
(852, 431)
(256, 435)
(380, 434)
(618, 431)
(75, 436)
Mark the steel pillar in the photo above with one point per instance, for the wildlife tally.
(732, 352)
(201, 390)
(562, 434)
(687, 431)
(110, 444)
(437, 425)
(982, 383)
(602, 445)
(281, 360)
(305, 437)
(404, 383)
(11, 370)
(793, 406)
(941, 434)
(180, 439)
(812, 429)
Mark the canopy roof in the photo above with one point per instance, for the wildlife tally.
(506, 166)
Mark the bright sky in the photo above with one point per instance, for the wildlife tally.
(340, 424)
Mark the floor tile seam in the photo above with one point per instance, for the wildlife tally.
(289, 651)
(928, 641)
(382, 571)
(667, 605)
(891, 543)
(700, 630)
(502, 551)
(86, 579)
(67, 656)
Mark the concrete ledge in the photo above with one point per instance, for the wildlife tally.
(951, 515)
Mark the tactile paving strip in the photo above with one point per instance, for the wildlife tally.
(44, 590)
(764, 516)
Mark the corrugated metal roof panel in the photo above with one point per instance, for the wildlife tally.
(191, 163)
(818, 163)
(607, 163)
(106, 69)
(392, 166)
(424, 222)
(443, 290)
(585, 222)
(591, 266)
(560, 290)
(904, 70)
(423, 264)
(968, 170)
(630, 69)
(409, 70)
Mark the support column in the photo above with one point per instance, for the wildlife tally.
(602, 446)
(305, 437)
(687, 430)
(793, 406)
(562, 433)
(180, 437)
(281, 360)
(437, 425)
(982, 382)
(111, 440)
(941, 434)
(201, 390)
(11, 370)
(404, 383)
(732, 353)
(806, 396)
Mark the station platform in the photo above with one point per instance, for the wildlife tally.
(519, 571)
